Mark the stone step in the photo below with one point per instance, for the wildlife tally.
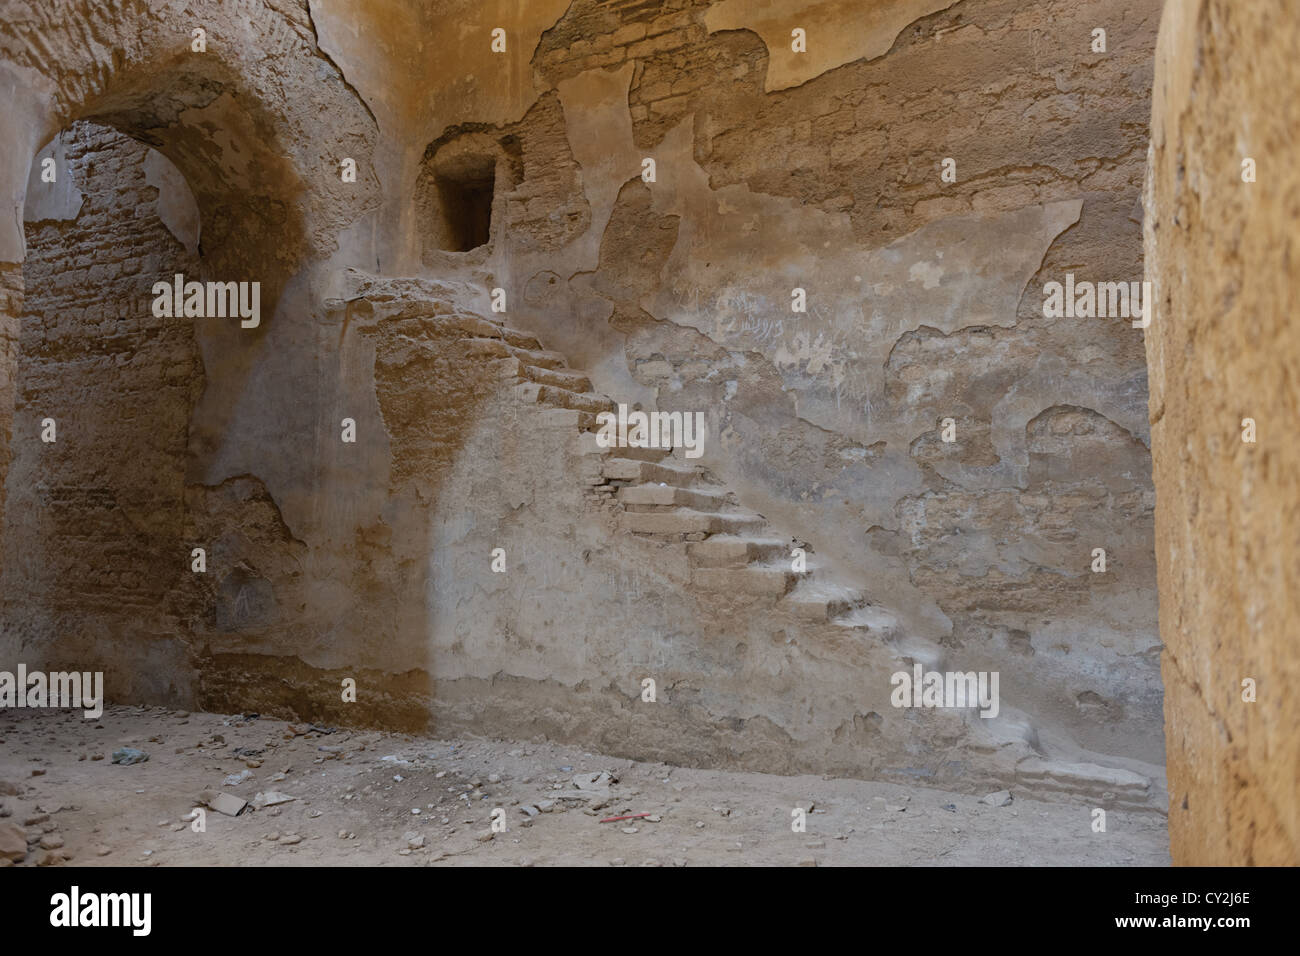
(559, 377)
(757, 579)
(1082, 778)
(871, 617)
(476, 325)
(532, 393)
(642, 454)
(667, 471)
(538, 358)
(659, 496)
(467, 322)
(522, 340)
(509, 367)
(583, 401)
(684, 521)
(820, 601)
(587, 422)
(730, 551)
(488, 349)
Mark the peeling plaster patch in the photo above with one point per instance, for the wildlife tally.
(177, 207)
(927, 273)
(232, 148)
(838, 31)
(59, 201)
(739, 253)
(598, 124)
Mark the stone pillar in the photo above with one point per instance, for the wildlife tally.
(1223, 254)
(11, 304)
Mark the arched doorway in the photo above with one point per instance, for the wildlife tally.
(104, 392)
(156, 414)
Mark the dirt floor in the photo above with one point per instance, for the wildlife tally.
(370, 798)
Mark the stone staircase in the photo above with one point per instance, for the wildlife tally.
(668, 499)
(730, 548)
(660, 497)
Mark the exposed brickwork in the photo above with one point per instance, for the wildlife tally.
(96, 543)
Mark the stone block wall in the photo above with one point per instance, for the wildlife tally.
(95, 549)
(925, 305)
(1224, 348)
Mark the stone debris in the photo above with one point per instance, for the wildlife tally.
(13, 842)
(338, 802)
(129, 755)
(999, 798)
(224, 803)
(271, 798)
(593, 781)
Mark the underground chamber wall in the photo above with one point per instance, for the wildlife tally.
(104, 394)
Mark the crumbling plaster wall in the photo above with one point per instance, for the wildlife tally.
(1222, 349)
(94, 542)
(776, 171)
(256, 125)
(772, 172)
(560, 643)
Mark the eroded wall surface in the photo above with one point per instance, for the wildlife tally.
(1222, 349)
(172, 434)
(774, 170)
(925, 303)
(94, 553)
(925, 297)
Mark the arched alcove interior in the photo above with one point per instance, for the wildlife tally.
(95, 516)
(460, 190)
(171, 172)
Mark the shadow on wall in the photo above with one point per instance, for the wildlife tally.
(93, 573)
(97, 564)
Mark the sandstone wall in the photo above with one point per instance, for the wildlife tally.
(559, 638)
(1223, 348)
(330, 560)
(925, 296)
(94, 545)
(203, 434)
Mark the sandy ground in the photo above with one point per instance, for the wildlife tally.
(370, 798)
